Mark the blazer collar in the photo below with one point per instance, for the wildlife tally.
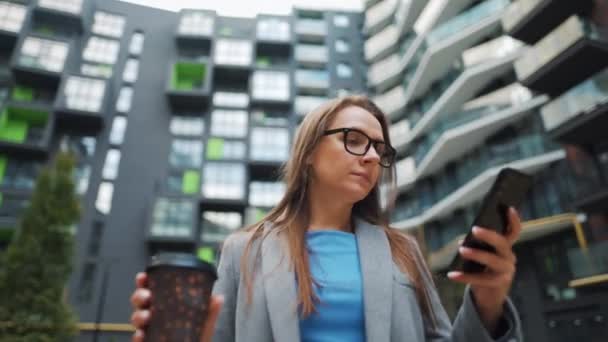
(280, 285)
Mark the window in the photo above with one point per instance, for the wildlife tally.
(273, 29)
(95, 239)
(224, 180)
(269, 144)
(136, 46)
(107, 24)
(305, 104)
(131, 70)
(12, 16)
(186, 154)
(19, 174)
(103, 203)
(344, 70)
(217, 225)
(96, 70)
(84, 93)
(229, 123)
(341, 20)
(101, 50)
(43, 53)
(233, 52)
(172, 218)
(196, 24)
(186, 126)
(270, 85)
(70, 6)
(342, 46)
(117, 133)
(308, 78)
(87, 279)
(110, 166)
(265, 194)
(125, 96)
(218, 148)
(230, 99)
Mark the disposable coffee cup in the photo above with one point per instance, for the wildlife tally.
(181, 287)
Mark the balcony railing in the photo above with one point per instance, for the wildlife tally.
(589, 262)
(24, 126)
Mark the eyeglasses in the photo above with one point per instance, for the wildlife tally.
(356, 142)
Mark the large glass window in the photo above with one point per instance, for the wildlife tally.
(101, 50)
(186, 154)
(103, 203)
(84, 93)
(265, 194)
(219, 148)
(131, 70)
(187, 126)
(271, 85)
(108, 24)
(224, 180)
(111, 164)
(70, 6)
(217, 225)
(136, 46)
(172, 218)
(125, 97)
(196, 24)
(230, 99)
(43, 53)
(229, 123)
(341, 20)
(344, 70)
(11, 16)
(233, 52)
(342, 46)
(269, 144)
(19, 174)
(117, 133)
(273, 29)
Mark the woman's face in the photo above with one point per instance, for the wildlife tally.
(336, 171)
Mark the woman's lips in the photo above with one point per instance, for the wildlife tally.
(361, 175)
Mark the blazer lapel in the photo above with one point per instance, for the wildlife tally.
(376, 267)
(280, 290)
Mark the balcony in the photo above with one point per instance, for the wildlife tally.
(579, 116)
(382, 44)
(406, 14)
(574, 48)
(12, 205)
(311, 55)
(273, 32)
(195, 28)
(378, 16)
(26, 128)
(40, 61)
(454, 136)
(189, 83)
(312, 81)
(459, 87)
(75, 14)
(531, 20)
(82, 103)
(589, 265)
(473, 176)
(12, 18)
(305, 104)
(172, 223)
(311, 30)
(448, 41)
(217, 225)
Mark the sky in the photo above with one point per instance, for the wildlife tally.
(250, 8)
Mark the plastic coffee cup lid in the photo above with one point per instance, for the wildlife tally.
(183, 260)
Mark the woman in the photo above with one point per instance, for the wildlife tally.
(324, 266)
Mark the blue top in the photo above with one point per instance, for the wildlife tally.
(334, 265)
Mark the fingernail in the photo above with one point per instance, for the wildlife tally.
(476, 230)
(139, 333)
(145, 314)
(453, 274)
(464, 249)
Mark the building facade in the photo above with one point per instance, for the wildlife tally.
(180, 122)
(474, 86)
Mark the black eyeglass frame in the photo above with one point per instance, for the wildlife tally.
(391, 151)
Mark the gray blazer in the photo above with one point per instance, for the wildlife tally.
(391, 309)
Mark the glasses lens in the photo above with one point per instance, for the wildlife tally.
(356, 142)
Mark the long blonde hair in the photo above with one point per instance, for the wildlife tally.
(290, 217)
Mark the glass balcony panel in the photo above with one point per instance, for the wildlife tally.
(12, 16)
(311, 27)
(305, 104)
(311, 53)
(318, 79)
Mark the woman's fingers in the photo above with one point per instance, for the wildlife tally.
(495, 263)
(140, 298)
(514, 226)
(140, 318)
(215, 306)
(481, 279)
(138, 336)
(141, 280)
(500, 243)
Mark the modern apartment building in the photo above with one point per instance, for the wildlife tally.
(180, 122)
(474, 86)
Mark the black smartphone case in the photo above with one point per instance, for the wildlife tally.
(509, 190)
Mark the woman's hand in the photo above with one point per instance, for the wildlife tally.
(490, 288)
(141, 316)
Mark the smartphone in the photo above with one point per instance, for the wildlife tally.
(509, 190)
